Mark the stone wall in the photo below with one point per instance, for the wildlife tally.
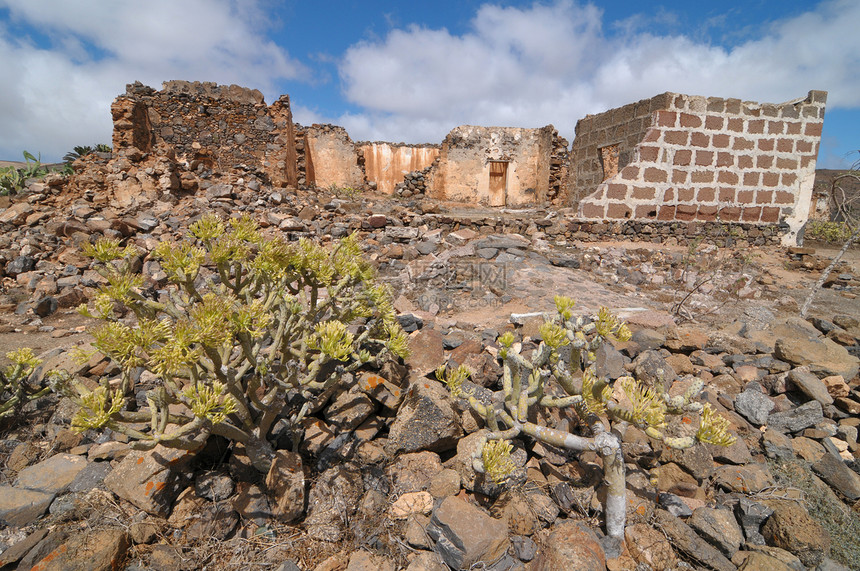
(414, 183)
(494, 166)
(222, 125)
(558, 168)
(386, 164)
(331, 158)
(701, 159)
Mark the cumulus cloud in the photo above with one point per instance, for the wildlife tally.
(58, 95)
(555, 63)
(546, 62)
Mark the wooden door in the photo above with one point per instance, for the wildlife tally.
(498, 182)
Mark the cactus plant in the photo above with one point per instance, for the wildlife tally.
(548, 377)
(250, 330)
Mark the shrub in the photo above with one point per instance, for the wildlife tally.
(560, 373)
(15, 390)
(84, 150)
(829, 232)
(346, 192)
(12, 179)
(840, 522)
(251, 329)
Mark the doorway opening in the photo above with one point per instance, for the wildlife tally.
(498, 183)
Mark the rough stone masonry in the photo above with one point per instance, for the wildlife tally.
(669, 159)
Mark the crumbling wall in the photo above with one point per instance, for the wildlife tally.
(606, 142)
(224, 125)
(331, 158)
(279, 161)
(558, 168)
(495, 166)
(386, 164)
(703, 159)
(415, 183)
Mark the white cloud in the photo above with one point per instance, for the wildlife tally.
(516, 66)
(554, 64)
(53, 98)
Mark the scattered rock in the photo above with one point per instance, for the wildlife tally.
(649, 546)
(684, 538)
(427, 420)
(754, 405)
(465, 535)
(19, 507)
(286, 483)
(214, 485)
(791, 528)
(719, 528)
(571, 545)
(102, 550)
(751, 516)
(150, 480)
(332, 500)
(810, 385)
(748, 479)
(53, 475)
(833, 470)
(410, 504)
(795, 420)
(426, 352)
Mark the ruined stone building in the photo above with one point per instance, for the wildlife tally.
(493, 166)
(205, 122)
(671, 158)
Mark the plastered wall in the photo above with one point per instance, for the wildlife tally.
(471, 159)
(331, 158)
(386, 164)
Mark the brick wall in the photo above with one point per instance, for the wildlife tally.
(228, 125)
(622, 128)
(701, 159)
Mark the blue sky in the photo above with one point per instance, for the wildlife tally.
(411, 71)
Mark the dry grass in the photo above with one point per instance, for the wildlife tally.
(840, 521)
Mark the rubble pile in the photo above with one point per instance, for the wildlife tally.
(414, 183)
(383, 477)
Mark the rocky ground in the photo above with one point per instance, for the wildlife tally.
(383, 478)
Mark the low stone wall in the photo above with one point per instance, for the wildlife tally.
(671, 233)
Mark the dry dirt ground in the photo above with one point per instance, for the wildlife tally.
(529, 286)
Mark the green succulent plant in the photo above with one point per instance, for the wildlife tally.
(15, 388)
(248, 323)
(560, 373)
(13, 179)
